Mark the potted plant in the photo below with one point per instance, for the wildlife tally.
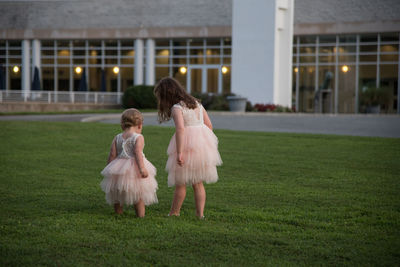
(237, 103)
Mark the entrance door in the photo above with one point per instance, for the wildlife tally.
(204, 79)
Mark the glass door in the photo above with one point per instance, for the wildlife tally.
(196, 80)
(204, 79)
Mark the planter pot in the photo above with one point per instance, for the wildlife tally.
(237, 103)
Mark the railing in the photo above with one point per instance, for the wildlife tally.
(60, 97)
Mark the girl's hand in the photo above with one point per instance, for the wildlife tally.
(180, 160)
(144, 173)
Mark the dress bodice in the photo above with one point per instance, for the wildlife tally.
(191, 117)
(126, 147)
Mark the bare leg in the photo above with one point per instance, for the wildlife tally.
(179, 197)
(140, 209)
(118, 208)
(199, 198)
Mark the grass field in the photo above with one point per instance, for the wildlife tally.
(282, 199)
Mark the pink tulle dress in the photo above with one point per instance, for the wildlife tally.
(122, 181)
(200, 151)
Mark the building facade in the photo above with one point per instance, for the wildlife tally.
(345, 53)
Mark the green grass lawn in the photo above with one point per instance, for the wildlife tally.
(282, 199)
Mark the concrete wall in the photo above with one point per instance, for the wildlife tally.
(58, 19)
(346, 16)
(262, 50)
(114, 18)
(252, 51)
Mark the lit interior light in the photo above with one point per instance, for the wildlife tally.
(182, 70)
(224, 70)
(16, 69)
(116, 70)
(296, 69)
(78, 70)
(345, 68)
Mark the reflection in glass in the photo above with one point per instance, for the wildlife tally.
(388, 85)
(162, 72)
(212, 80)
(306, 89)
(47, 78)
(346, 89)
(195, 80)
(367, 83)
(326, 89)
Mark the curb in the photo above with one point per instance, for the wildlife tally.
(112, 116)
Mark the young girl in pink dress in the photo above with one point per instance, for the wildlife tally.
(129, 178)
(193, 150)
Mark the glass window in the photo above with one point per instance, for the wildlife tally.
(347, 58)
(368, 58)
(307, 39)
(307, 59)
(388, 87)
(367, 84)
(227, 42)
(161, 72)
(369, 38)
(327, 49)
(127, 44)
(326, 89)
(126, 78)
(179, 76)
(327, 59)
(227, 51)
(14, 77)
(347, 89)
(368, 48)
(389, 37)
(306, 89)
(47, 78)
(63, 78)
(327, 39)
(307, 50)
(213, 42)
(162, 42)
(347, 39)
(226, 81)
(347, 49)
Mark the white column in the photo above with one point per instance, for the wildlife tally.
(262, 40)
(36, 56)
(138, 62)
(150, 51)
(26, 70)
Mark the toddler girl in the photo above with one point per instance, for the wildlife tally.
(193, 150)
(129, 176)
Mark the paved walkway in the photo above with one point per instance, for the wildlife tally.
(356, 125)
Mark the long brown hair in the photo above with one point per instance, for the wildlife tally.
(169, 92)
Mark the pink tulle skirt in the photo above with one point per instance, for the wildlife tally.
(200, 155)
(123, 184)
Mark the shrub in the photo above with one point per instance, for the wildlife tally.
(272, 108)
(212, 101)
(139, 96)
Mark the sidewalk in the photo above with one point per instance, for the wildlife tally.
(356, 125)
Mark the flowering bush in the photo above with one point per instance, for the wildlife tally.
(273, 108)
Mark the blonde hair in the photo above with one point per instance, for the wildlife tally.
(131, 117)
(169, 92)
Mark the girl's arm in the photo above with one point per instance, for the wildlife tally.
(113, 151)
(139, 156)
(207, 120)
(179, 134)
